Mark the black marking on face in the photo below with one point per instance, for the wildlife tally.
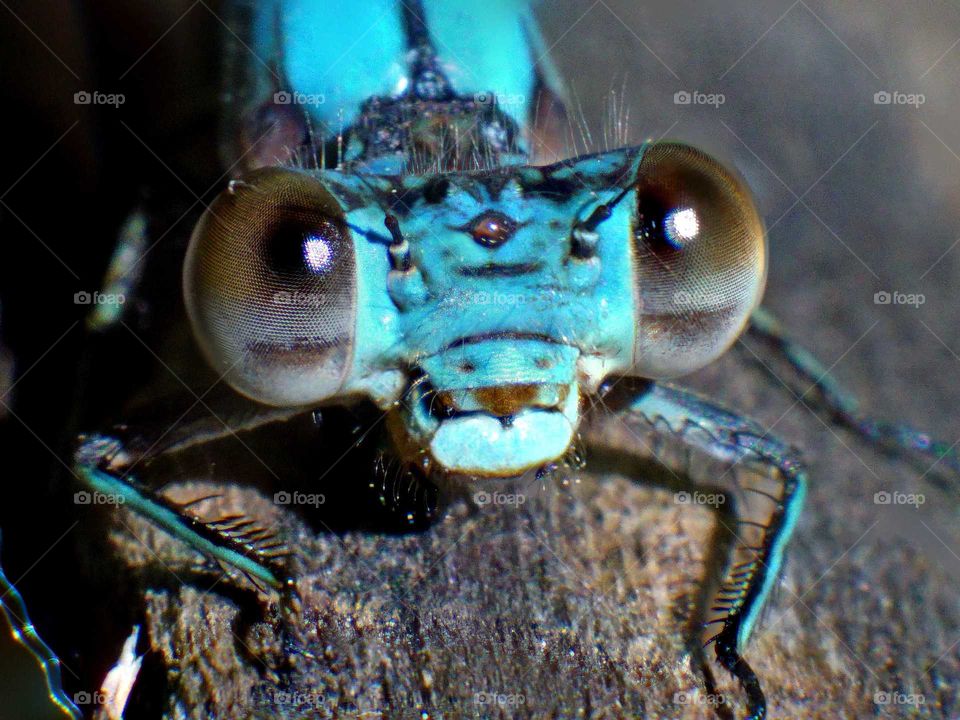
(494, 183)
(618, 175)
(436, 190)
(501, 270)
(501, 335)
(551, 188)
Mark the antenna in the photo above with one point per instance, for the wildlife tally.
(583, 236)
(399, 248)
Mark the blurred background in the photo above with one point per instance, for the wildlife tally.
(842, 119)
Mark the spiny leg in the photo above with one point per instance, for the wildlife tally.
(234, 540)
(763, 506)
(113, 464)
(833, 400)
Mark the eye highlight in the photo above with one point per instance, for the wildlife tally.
(297, 247)
(270, 288)
(681, 226)
(317, 252)
(700, 258)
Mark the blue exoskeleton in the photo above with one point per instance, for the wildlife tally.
(396, 237)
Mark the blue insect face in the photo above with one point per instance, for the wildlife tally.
(488, 305)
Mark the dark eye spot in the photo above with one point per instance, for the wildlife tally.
(297, 248)
(491, 229)
(656, 206)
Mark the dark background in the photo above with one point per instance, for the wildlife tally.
(878, 211)
(71, 174)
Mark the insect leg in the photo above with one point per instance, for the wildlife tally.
(833, 400)
(762, 489)
(233, 540)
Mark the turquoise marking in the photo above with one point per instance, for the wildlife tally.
(15, 610)
(485, 48)
(774, 561)
(501, 362)
(170, 521)
(704, 425)
(340, 51)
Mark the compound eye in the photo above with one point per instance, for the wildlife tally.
(270, 287)
(700, 259)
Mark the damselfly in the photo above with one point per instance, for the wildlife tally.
(394, 238)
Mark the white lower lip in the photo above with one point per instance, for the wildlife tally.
(481, 445)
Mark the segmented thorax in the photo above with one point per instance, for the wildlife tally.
(386, 87)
